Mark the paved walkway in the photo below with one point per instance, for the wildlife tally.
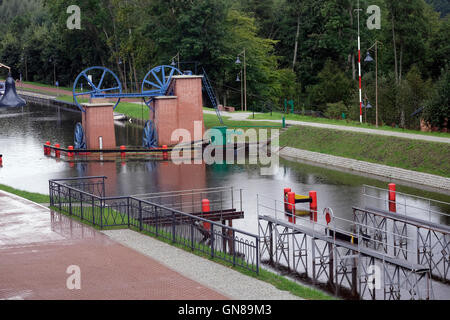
(239, 116)
(37, 246)
(223, 279)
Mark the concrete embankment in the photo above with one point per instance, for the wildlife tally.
(414, 178)
(53, 101)
(47, 100)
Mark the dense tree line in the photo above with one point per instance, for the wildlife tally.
(304, 50)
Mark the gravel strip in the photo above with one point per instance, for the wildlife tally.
(226, 281)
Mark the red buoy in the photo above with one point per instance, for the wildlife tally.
(122, 154)
(165, 153)
(57, 152)
(70, 154)
(313, 205)
(392, 204)
(291, 206)
(206, 208)
(47, 149)
(285, 199)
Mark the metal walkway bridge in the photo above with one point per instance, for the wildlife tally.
(377, 255)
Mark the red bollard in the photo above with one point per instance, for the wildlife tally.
(206, 208)
(291, 206)
(392, 204)
(122, 154)
(1, 160)
(313, 205)
(165, 153)
(70, 154)
(285, 199)
(57, 152)
(46, 148)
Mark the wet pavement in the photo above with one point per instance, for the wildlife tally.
(37, 246)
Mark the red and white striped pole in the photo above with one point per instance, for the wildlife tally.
(359, 70)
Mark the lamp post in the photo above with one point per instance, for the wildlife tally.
(370, 59)
(238, 61)
(239, 80)
(177, 56)
(366, 106)
(54, 69)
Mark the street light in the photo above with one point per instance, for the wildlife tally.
(370, 59)
(54, 69)
(366, 106)
(238, 61)
(177, 56)
(239, 80)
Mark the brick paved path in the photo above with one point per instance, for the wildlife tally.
(37, 246)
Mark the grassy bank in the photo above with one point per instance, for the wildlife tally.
(423, 156)
(35, 197)
(348, 123)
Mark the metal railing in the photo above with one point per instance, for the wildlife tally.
(406, 204)
(343, 263)
(216, 240)
(221, 199)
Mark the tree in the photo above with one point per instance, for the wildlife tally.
(437, 108)
(333, 86)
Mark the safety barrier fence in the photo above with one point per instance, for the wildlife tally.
(343, 254)
(85, 198)
(221, 199)
(406, 204)
(411, 217)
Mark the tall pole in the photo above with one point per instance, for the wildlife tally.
(242, 93)
(245, 84)
(54, 72)
(376, 83)
(359, 69)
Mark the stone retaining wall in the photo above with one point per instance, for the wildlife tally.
(394, 173)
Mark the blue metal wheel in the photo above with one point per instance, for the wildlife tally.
(79, 139)
(157, 82)
(96, 82)
(149, 135)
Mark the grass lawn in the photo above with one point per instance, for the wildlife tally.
(35, 197)
(211, 120)
(350, 123)
(423, 156)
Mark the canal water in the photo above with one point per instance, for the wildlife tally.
(23, 131)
